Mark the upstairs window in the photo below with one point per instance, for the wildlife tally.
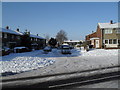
(12, 36)
(108, 31)
(5, 35)
(36, 39)
(118, 30)
(31, 39)
(18, 37)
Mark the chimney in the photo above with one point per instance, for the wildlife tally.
(111, 21)
(7, 27)
(17, 29)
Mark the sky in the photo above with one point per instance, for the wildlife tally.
(77, 19)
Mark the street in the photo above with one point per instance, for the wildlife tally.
(74, 82)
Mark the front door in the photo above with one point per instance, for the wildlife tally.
(97, 43)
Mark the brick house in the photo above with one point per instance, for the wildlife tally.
(37, 41)
(107, 35)
(11, 39)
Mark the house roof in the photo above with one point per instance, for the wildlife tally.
(108, 25)
(35, 36)
(9, 31)
(72, 40)
(31, 35)
(18, 33)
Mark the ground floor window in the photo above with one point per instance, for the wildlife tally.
(106, 41)
(110, 41)
(118, 41)
(114, 41)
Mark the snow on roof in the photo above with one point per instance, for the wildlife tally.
(9, 31)
(64, 44)
(35, 36)
(18, 33)
(72, 41)
(94, 38)
(108, 25)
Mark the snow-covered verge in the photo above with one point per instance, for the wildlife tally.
(79, 60)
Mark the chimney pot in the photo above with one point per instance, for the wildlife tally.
(7, 27)
(18, 29)
(111, 21)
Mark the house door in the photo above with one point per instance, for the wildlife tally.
(97, 43)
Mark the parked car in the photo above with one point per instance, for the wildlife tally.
(71, 47)
(65, 49)
(20, 49)
(5, 51)
(47, 49)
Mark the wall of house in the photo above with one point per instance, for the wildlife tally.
(112, 36)
(91, 36)
(99, 35)
(11, 40)
(40, 43)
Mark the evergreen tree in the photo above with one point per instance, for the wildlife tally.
(25, 40)
(52, 42)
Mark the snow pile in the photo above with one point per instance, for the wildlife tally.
(20, 62)
(100, 52)
(25, 64)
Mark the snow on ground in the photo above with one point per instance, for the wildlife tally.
(78, 60)
(19, 62)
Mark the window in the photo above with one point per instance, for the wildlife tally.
(108, 31)
(5, 35)
(18, 37)
(114, 41)
(118, 41)
(110, 41)
(31, 39)
(1, 35)
(106, 41)
(118, 30)
(12, 36)
(36, 39)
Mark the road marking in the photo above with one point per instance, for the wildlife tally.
(83, 81)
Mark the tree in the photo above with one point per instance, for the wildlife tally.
(61, 36)
(25, 40)
(52, 42)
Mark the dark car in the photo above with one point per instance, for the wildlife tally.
(21, 49)
(47, 49)
(65, 49)
(5, 51)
